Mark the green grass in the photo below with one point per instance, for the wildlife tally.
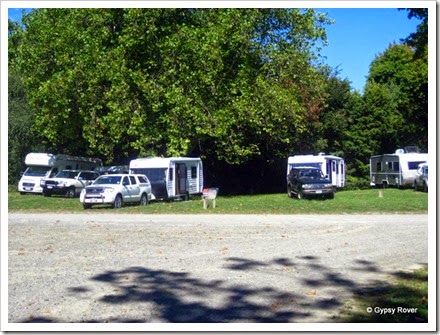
(345, 202)
(409, 292)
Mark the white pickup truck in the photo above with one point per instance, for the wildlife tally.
(117, 189)
(67, 182)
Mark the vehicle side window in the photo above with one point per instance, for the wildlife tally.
(142, 179)
(125, 181)
(133, 180)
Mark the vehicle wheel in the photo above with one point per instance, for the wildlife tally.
(289, 191)
(70, 192)
(46, 193)
(87, 206)
(144, 200)
(331, 196)
(425, 187)
(299, 195)
(118, 201)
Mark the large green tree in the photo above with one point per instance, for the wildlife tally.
(21, 138)
(231, 84)
(404, 78)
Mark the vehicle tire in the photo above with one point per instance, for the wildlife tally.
(425, 187)
(87, 206)
(46, 193)
(289, 191)
(299, 195)
(118, 202)
(331, 196)
(70, 193)
(144, 200)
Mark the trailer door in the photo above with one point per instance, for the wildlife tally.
(181, 178)
(334, 173)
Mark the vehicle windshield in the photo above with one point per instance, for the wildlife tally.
(108, 180)
(310, 174)
(67, 174)
(413, 165)
(36, 171)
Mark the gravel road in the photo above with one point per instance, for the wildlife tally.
(83, 268)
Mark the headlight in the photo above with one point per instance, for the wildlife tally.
(307, 186)
(83, 192)
(41, 182)
(328, 186)
(108, 190)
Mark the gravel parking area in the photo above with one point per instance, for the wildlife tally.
(111, 268)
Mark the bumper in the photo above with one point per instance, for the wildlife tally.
(101, 199)
(31, 188)
(318, 192)
(55, 189)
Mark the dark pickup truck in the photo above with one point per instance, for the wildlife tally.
(304, 182)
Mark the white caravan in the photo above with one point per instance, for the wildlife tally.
(398, 169)
(171, 177)
(331, 166)
(44, 165)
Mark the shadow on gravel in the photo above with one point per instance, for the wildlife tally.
(179, 297)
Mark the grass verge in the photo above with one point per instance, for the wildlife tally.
(345, 202)
(404, 300)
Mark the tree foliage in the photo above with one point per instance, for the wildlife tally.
(394, 108)
(419, 39)
(127, 82)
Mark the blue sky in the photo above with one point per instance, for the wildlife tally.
(357, 37)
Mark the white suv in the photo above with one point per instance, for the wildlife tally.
(117, 189)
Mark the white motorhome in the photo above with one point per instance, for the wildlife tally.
(44, 165)
(398, 169)
(171, 177)
(331, 166)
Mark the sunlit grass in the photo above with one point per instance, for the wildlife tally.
(345, 202)
(404, 300)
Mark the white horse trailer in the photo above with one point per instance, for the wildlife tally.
(331, 166)
(171, 177)
(44, 165)
(398, 169)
